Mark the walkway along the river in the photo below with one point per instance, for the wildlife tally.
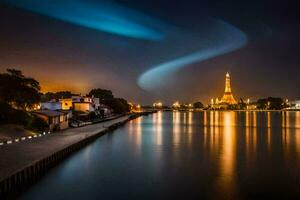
(23, 163)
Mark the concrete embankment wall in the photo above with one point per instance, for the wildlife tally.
(14, 184)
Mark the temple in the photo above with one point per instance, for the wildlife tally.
(228, 97)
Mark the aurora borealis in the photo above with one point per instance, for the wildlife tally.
(153, 50)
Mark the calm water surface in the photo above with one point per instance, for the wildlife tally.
(209, 155)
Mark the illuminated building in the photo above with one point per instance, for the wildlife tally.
(228, 97)
(66, 104)
(157, 105)
(83, 106)
(176, 105)
(135, 107)
(56, 120)
(294, 105)
(51, 105)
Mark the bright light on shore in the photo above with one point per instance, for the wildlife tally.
(157, 104)
(176, 104)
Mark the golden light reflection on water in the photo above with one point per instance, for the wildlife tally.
(226, 182)
(250, 137)
(286, 133)
(211, 119)
(297, 134)
(220, 142)
(157, 121)
(135, 132)
(139, 132)
(228, 140)
(205, 125)
(291, 134)
(297, 123)
(176, 127)
(230, 143)
(216, 118)
(190, 127)
(269, 130)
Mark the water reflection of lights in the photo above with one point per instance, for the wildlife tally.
(135, 132)
(205, 118)
(211, 118)
(139, 132)
(260, 137)
(227, 177)
(184, 118)
(254, 119)
(204, 128)
(214, 136)
(190, 127)
(216, 118)
(247, 119)
(285, 130)
(297, 119)
(228, 144)
(176, 127)
(269, 130)
(190, 118)
(157, 121)
(251, 136)
(297, 133)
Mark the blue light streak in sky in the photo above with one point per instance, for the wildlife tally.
(104, 16)
(118, 20)
(226, 39)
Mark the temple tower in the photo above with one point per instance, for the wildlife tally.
(228, 97)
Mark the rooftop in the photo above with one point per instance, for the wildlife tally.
(49, 113)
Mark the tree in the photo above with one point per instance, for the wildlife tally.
(271, 103)
(19, 91)
(106, 97)
(9, 115)
(119, 105)
(198, 104)
(56, 95)
(6, 112)
(102, 94)
(262, 104)
(39, 124)
(242, 105)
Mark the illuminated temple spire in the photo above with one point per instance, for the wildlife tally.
(228, 97)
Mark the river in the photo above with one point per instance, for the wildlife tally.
(184, 155)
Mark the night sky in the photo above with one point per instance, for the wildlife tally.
(155, 50)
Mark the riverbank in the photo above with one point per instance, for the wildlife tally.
(12, 133)
(22, 163)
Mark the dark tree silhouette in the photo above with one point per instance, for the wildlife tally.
(106, 97)
(102, 94)
(56, 95)
(19, 91)
(198, 104)
(119, 105)
(271, 103)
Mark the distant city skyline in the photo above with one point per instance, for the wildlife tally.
(177, 52)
